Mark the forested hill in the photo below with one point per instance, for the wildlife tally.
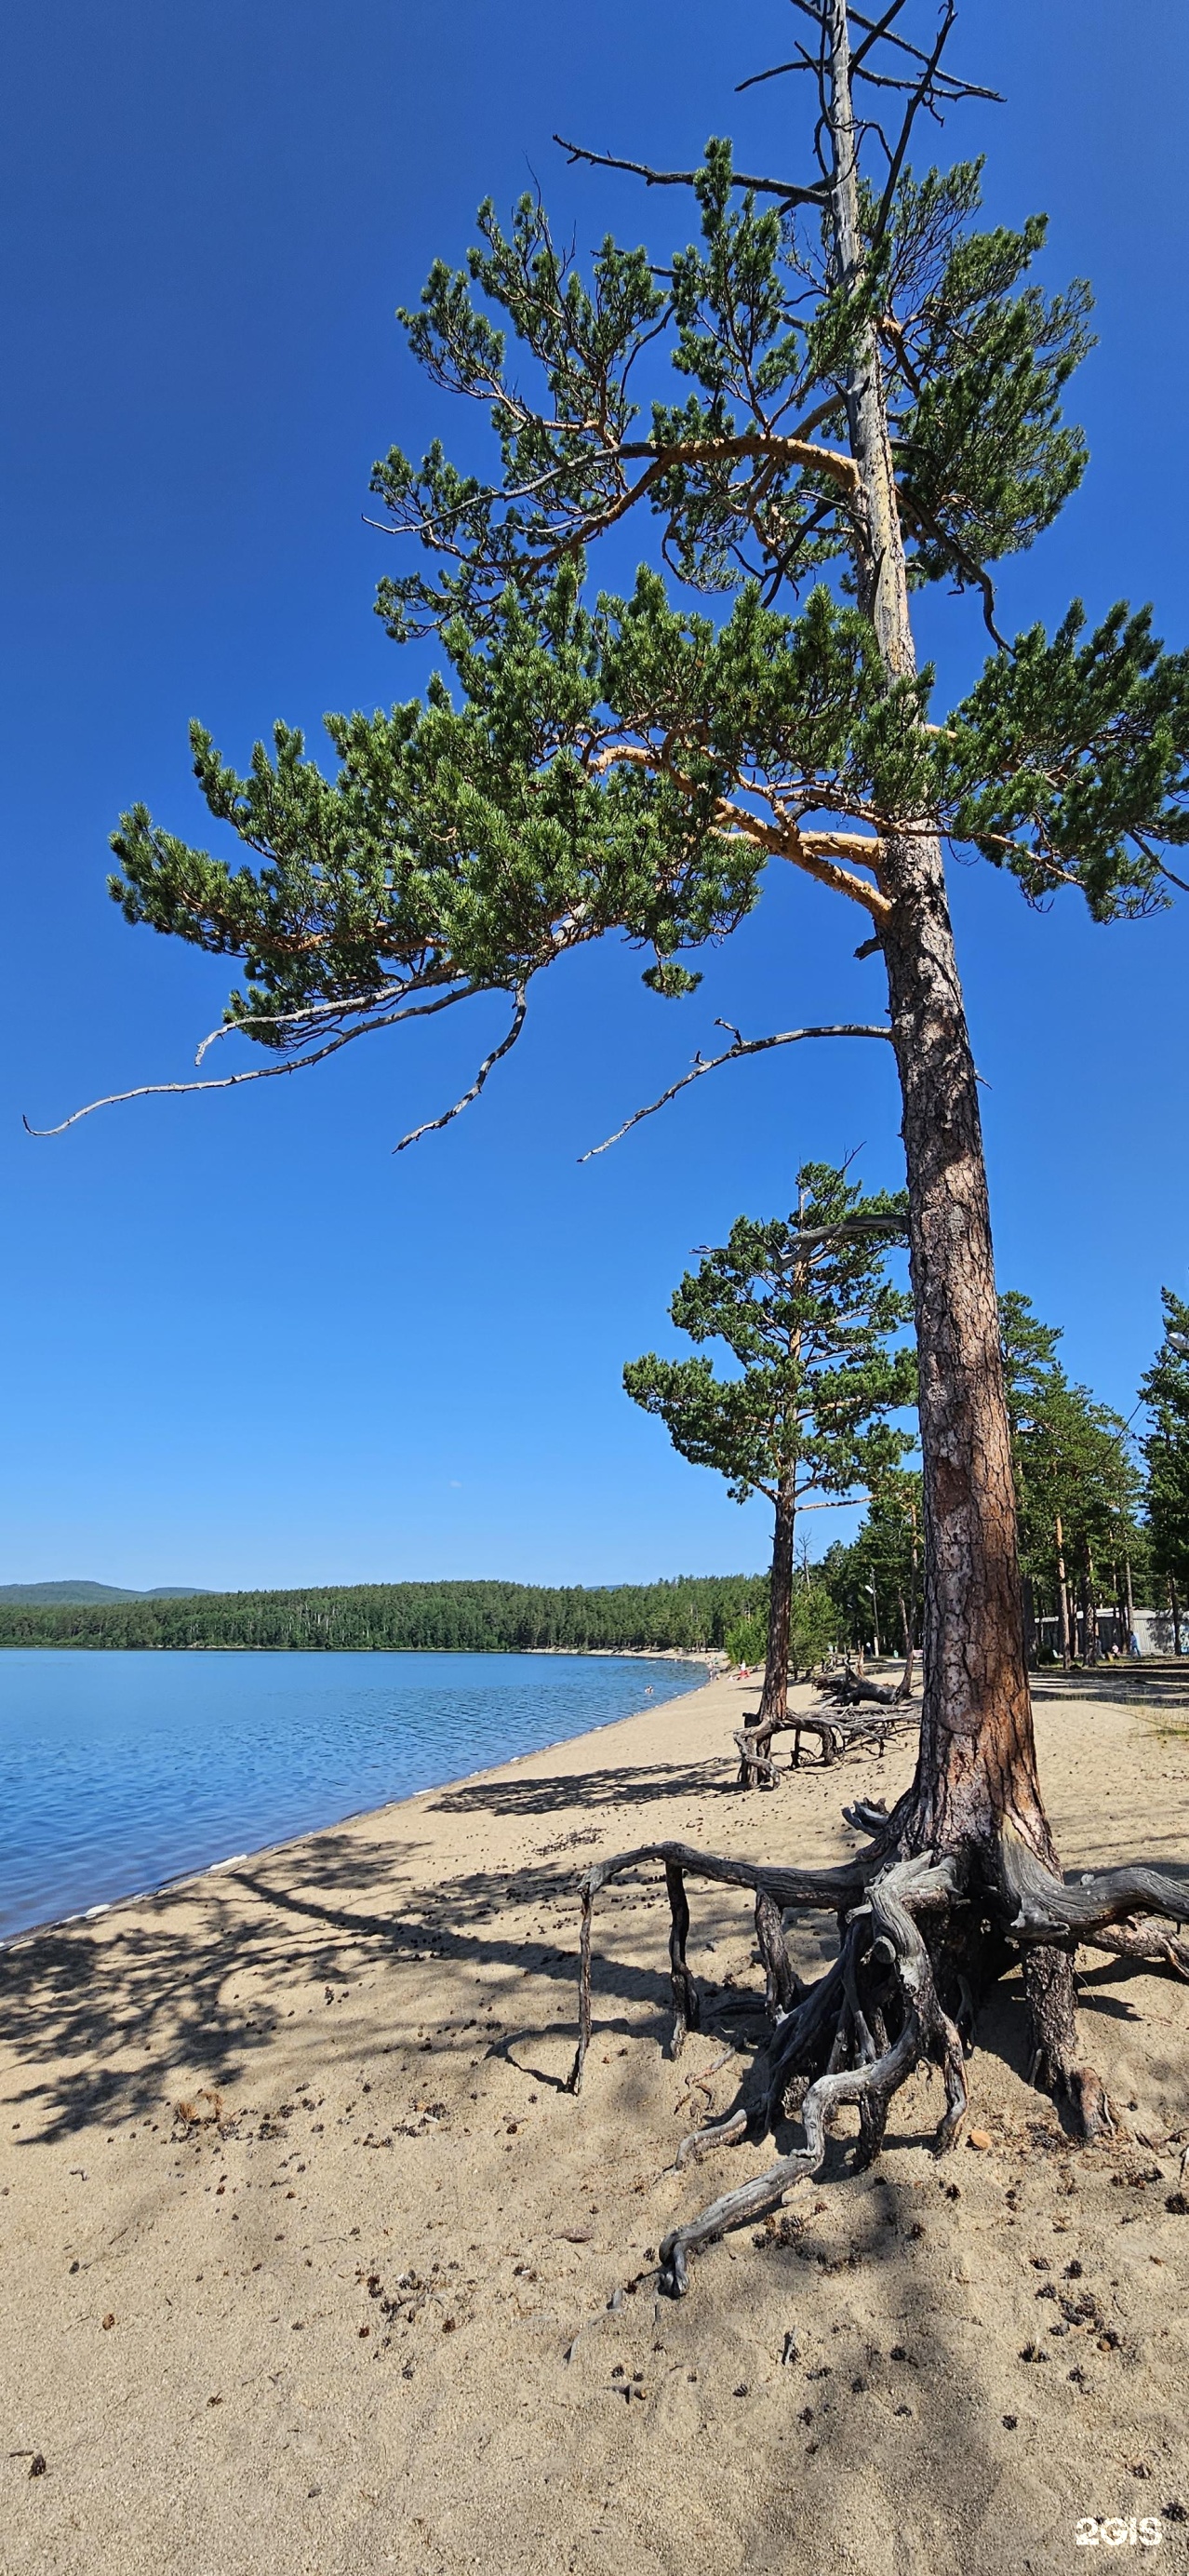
(477, 1618)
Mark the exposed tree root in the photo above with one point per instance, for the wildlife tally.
(1143, 1940)
(836, 1736)
(921, 1937)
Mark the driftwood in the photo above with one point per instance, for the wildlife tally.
(897, 1993)
(850, 1688)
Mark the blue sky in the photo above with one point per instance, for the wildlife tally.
(244, 1345)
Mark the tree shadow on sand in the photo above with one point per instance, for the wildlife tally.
(638, 1786)
(108, 2020)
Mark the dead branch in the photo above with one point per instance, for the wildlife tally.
(430, 1126)
(785, 188)
(221, 1082)
(739, 1047)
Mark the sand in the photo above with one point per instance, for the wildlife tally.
(326, 2332)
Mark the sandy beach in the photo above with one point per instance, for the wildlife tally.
(299, 2225)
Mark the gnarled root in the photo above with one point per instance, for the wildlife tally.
(1146, 1941)
(884, 1967)
(849, 1687)
(1050, 1911)
(831, 1888)
(836, 1735)
(719, 2133)
(757, 1767)
(855, 2035)
(1050, 1920)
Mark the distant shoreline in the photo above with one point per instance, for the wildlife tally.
(712, 1656)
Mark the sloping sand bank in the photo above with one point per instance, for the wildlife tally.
(326, 2333)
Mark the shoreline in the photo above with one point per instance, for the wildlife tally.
(358, 1815)
(712, 1656)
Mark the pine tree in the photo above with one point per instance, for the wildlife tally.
(806, 1310)
(879, 1577)
(1077, 1486)
(869, 400)
(1165, 1391)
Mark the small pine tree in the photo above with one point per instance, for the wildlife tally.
(807, 1311)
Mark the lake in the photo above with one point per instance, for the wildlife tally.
(121, 1771)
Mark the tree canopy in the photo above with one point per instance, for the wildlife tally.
(807, 1312)
(595, 762)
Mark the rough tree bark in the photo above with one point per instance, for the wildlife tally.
(905, 1691)
(977, 1765)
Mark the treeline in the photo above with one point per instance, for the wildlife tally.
(689, 1613)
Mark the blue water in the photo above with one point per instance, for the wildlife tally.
(119, 1771)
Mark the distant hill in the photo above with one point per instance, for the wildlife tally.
(51, 1592)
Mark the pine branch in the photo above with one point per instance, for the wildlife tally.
(784, 188)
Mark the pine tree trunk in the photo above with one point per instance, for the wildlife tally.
(774, 1698)
(1063, 1597)
(906, 1632)
(1028, 1615)
(977, 1763)
(977, 1760)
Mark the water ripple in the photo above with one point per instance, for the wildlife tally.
(119, 1771)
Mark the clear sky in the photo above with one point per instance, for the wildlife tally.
(243, 1345)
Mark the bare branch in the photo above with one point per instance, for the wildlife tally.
(880, 27)
(330, 1010)
(920, 98)
(226, 1081)
(268, 1072)
(739, 1047)
(965, 563)
(874, 34)
(785, 188)
(804, 63)
(431, 1125)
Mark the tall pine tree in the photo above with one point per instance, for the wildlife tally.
(868, 400)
